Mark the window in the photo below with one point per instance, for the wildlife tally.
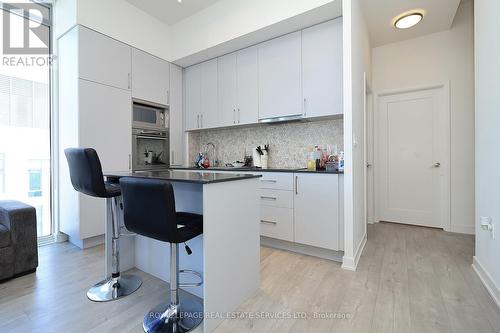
(25, 113)
(2, 173)
(35, 179)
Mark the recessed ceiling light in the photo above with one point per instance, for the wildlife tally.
(408, 20)
(179, 1)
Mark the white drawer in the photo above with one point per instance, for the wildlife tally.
(276, 222)
(277, 181)
(276, 198)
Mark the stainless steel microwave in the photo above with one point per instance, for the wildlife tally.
(149, 116)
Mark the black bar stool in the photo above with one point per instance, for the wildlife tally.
(149, 210)
(86, 176)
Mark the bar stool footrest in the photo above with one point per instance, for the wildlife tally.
(191, 284)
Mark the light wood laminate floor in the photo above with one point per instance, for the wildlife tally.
(409, 279)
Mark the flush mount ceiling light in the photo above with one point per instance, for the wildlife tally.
(408, 20)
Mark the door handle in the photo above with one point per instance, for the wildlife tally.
(368, 165)
(437, 165)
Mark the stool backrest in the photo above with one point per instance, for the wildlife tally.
(85, 171)
(149, 208)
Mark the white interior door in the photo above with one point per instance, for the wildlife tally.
(413, 162)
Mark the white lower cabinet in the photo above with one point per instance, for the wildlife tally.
(276, 222)
(316, 210)
(303, 208)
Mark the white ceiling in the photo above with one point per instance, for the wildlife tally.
(171, 11)
(380, 14)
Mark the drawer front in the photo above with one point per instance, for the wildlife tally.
(276, 198)
(277, 181)
(276, 222)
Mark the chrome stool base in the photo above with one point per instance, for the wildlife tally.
(114, 288)
(189, 316)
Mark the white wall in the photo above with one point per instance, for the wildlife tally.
(487, 69)
(228, 20)
(118, 19)
(436, 59)
(357, 62)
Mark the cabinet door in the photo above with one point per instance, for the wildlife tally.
(150, 77)
(176, 117)
(103, 59)
(193, 97)
(105, 124)
(248, 86)
(210, 115)
(322, 69)
(280, 82)
(316, 210)
(227, 89)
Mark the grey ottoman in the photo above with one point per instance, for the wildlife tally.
(18, 239)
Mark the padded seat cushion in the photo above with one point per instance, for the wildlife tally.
(4, 236)
(190, 225)
(112, 189)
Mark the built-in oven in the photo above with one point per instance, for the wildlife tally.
(149, 116)
(150, 149)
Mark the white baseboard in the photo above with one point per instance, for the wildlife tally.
(87, 242)
(463, 229)
(301, 248)
(350, 263)
(487, 281)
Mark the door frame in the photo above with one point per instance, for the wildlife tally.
(445, 191)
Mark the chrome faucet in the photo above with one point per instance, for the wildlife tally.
(215, 161)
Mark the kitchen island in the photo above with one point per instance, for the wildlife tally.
(227, 254)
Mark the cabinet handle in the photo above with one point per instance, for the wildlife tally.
(268, 198)
(296, 184)
(168, 97)
(201, 120)
(268, 180)
(239, 116)
(234, 116)
(129, 161)
(128, 81)
(305, 106)
(172, 161)
(269, 222)
(198, 121)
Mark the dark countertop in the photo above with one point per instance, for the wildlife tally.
(186, 176)
(250, 169)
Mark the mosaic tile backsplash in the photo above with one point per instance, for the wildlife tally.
(289, 143)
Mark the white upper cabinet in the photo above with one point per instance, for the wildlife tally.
(103, 59)
(228, 89)
(209, 111)
(322, 69)
(193, 96)
(247, 64)
(316, 210)
(239, 87)
(176, 118)
(280, 77)
(150, 78)
(299, 74)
